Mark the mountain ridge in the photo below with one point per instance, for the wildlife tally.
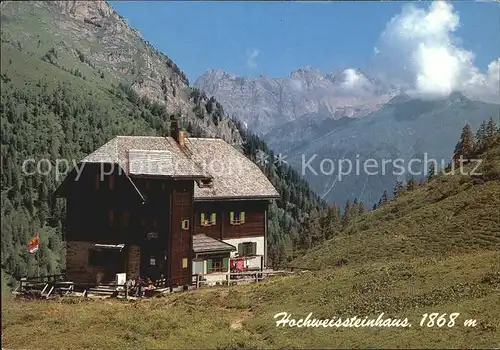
(263, 103)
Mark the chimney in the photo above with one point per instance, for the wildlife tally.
(176, 132)
(180, 138)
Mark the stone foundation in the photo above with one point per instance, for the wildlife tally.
(77, 263)
(80, 271)
(133, 261)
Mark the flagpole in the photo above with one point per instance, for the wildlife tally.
(34, 247)
(38, 258)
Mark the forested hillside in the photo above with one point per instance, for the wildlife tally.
(58, 106)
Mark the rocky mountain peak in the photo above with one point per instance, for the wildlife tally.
(217, 74)
(308, 74)
(265, 102)
(85, 9)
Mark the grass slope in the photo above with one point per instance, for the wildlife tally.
(448, 216)
(243, 316)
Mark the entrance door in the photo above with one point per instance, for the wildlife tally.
(109, 262)
(156, 229)
(116, 264)
(153, 263)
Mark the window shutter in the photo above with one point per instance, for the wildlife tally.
(254, 248)
(125, 218)
(185, 224)
(212, 218)
(225, 263)
(111, 182)
(242, 217)
(202, 219)
(231, 217)
(241, 248)
(209, 265)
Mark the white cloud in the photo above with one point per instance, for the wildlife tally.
(418, 52)
(252, 58)
(353, 80)
(296, 84)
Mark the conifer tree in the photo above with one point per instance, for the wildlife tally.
(346, 218)
(361, 208)
(432, 171)
(398, 188)
(355, 208)
(491, 128)
(384, 197)
(465, 147)
(411, 185)
(480, 136)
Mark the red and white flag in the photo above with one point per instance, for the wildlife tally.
(34, 244)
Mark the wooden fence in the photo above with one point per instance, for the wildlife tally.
(232, 278)
(58, 285)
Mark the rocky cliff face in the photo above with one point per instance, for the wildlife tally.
(91, 39)
(264, 103)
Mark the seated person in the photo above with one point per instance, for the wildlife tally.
(149, 284)
(130, 285)
(139, 284)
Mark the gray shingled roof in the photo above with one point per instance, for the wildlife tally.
(205, 244)
(233, 175)
(117, 151)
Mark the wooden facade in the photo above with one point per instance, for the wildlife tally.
(254, 225)
(151, 217)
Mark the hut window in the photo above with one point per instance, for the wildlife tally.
(97, 258)
(185, 224)
(247, 249)
(237, 217)
(208, 219)
(205, 183)
(217, 265)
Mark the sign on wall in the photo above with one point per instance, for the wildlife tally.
(152, 235)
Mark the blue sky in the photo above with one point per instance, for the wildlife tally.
(275, 38)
